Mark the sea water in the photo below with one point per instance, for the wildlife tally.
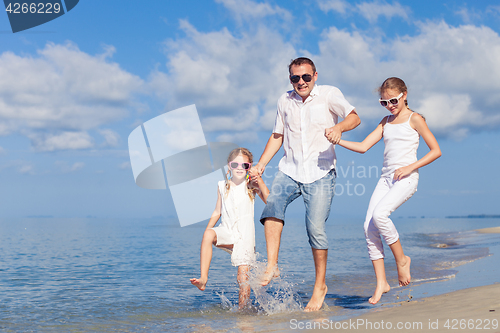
(108, 275)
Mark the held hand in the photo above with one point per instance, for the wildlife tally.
(402, 172)
(333, 134)
(256, 171)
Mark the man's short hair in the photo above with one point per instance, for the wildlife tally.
(301, 61)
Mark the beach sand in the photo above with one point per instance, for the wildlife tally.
(495, 230)
(467, 310)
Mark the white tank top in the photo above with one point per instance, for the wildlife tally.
(401, 144)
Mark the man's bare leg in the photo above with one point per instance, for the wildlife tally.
(320, 289)
(272, 229)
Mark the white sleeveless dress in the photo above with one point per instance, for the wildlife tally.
(237, 223)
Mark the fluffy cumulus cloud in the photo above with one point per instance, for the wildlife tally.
(339, 6)
(233, 80)
(61, 141)
(451, 73)
(247, 10)
(371, 11)
(61, 93)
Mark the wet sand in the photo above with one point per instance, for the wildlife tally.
(468, 310)
(495, 230)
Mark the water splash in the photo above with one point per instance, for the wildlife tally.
(225, 302)
(277, 297)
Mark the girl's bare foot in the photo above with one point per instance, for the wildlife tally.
(404, 272)
(200, 283)
(316, 301)
(270, 274)
(384, 288)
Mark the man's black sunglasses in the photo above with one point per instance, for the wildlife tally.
(305, 77)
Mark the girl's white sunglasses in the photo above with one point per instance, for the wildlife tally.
(393, 101)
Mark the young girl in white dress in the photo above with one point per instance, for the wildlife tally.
(399, 179)
(236, 232)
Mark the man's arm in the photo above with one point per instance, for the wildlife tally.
(334, 134)
(273, 145)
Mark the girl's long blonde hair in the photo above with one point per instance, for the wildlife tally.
(232, 155)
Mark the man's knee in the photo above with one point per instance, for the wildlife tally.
(317, 238)
(272, 220)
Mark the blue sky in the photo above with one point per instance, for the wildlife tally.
(73, 89)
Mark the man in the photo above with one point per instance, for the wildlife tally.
(306, 120)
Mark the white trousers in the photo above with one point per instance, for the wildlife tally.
(386, 198)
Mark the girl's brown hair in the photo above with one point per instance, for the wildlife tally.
(232, 155)
(394, 83)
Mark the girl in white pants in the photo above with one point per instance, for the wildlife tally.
(401, 132)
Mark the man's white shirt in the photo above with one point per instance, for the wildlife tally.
(309, 155)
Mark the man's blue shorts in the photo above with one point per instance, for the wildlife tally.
(317, 196)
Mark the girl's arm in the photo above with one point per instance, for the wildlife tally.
(216, 214)
(368, 142)
(261, 188)
(420, 126)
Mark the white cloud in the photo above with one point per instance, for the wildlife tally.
(77, 166)
(373, 10)
(495, 10)
(469, 15)
(125, 165)
(339, 6)
(66, 167)
(247, 10)
(62, 88)
(235, 81)
(61, 141)
(19, 166)
(240, 138)
(111, 138)
(232, 80)
(26, 169)
(451, 72)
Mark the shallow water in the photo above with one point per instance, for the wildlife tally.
(105, 275)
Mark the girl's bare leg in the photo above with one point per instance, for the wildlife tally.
(382, 285)
(402, 263)
(244, 297)
(209, 238)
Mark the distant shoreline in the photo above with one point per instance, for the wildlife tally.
(480, 216)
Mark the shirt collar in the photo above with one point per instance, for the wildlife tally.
(314, 92)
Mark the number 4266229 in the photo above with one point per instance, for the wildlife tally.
(33, 8)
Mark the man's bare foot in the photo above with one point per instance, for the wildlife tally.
(316, 301)
(404, 272)
(378, 293)
(270, 274)
(200, 283)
